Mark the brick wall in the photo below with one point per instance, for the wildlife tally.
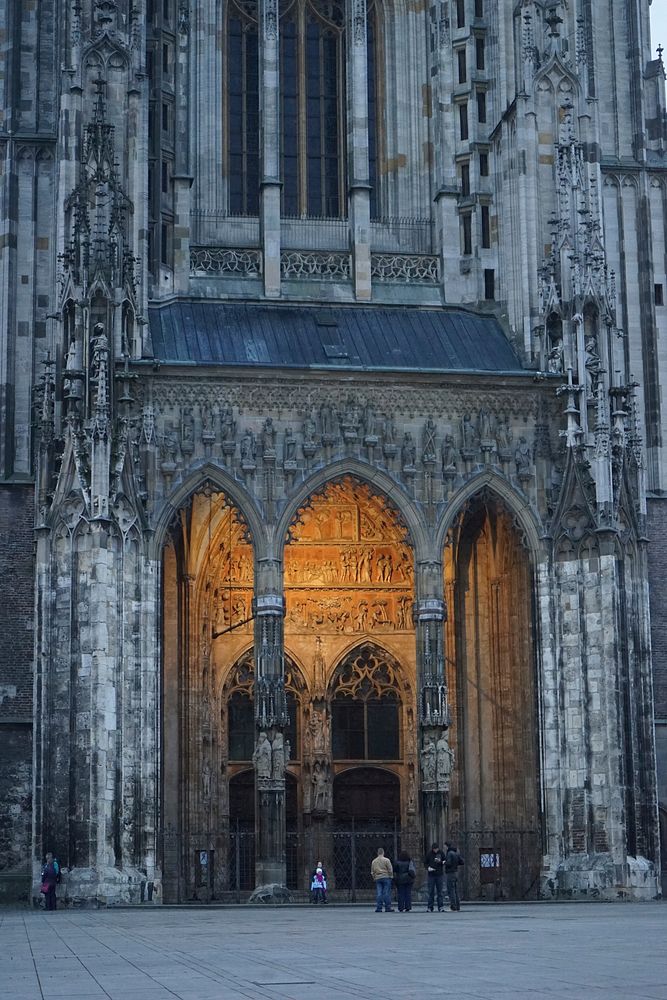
(16, 659)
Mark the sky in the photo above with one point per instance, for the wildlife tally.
(658, 24)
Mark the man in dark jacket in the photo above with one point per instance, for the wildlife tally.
(434, 863)
(452, 862)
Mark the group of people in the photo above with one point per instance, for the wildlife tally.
(441, 866)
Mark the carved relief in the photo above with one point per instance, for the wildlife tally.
(348, 567)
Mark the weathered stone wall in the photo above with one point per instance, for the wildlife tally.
(657, 531)
(16, 656)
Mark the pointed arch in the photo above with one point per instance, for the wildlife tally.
(379, 482)
(219, 479)
(517, 504)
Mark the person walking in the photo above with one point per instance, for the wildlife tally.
(318, 884)
(453, 861)
(434, 864)
(50, 878)
(404, 876)
(382, 873)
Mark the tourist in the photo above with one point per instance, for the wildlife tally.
(50, 878)
(434, 864)
(453, 860)
(382, 873)
(318, 884)
(404, 876)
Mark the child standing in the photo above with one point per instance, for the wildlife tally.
(318, 884)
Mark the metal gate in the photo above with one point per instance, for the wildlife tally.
(499, 864)
(353, 852)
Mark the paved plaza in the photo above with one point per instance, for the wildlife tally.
(605, 951)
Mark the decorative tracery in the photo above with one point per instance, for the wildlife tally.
(366, 674)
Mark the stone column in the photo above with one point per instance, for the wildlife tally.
(271, 751)
(182, 185)
(269, 114)
(357, 146)
(436, 757)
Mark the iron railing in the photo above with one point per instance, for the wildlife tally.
(498, 865)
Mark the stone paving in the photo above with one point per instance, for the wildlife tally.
(507, 952)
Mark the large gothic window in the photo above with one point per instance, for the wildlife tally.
(312, 70)
(242, 109)
(365, 708)
(312, 107)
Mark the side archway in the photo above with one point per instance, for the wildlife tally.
(492, 681)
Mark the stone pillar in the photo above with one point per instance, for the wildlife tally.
(182, 184)
(269, 114)
(271, 750)
(357, 146)
(436, 757)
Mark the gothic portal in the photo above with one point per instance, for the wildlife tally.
(332, 469)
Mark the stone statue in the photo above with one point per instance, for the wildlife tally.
(100, 346)
(206, 421)
(408, 451)
(370, 429)
(320, 787)
(268, 438)
(449, 455)
(327, 421)
(168, 445)
(485, 431)
(523, 457)
(248, 449)
(206, 779)
(503, 437)
(350, 417)
(309, 430)
(227, 425)
(262, 757)
(555, 359)
(187, 430)
(444, 763)
(389, 430)
(428, 441)
(592, 363)
(289, 446)
(467, 434)
(278, 756)
(428, 761)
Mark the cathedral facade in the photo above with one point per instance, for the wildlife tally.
(331, 464)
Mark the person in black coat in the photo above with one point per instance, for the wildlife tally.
(453, 861)
(404, 876)
(434, 863)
